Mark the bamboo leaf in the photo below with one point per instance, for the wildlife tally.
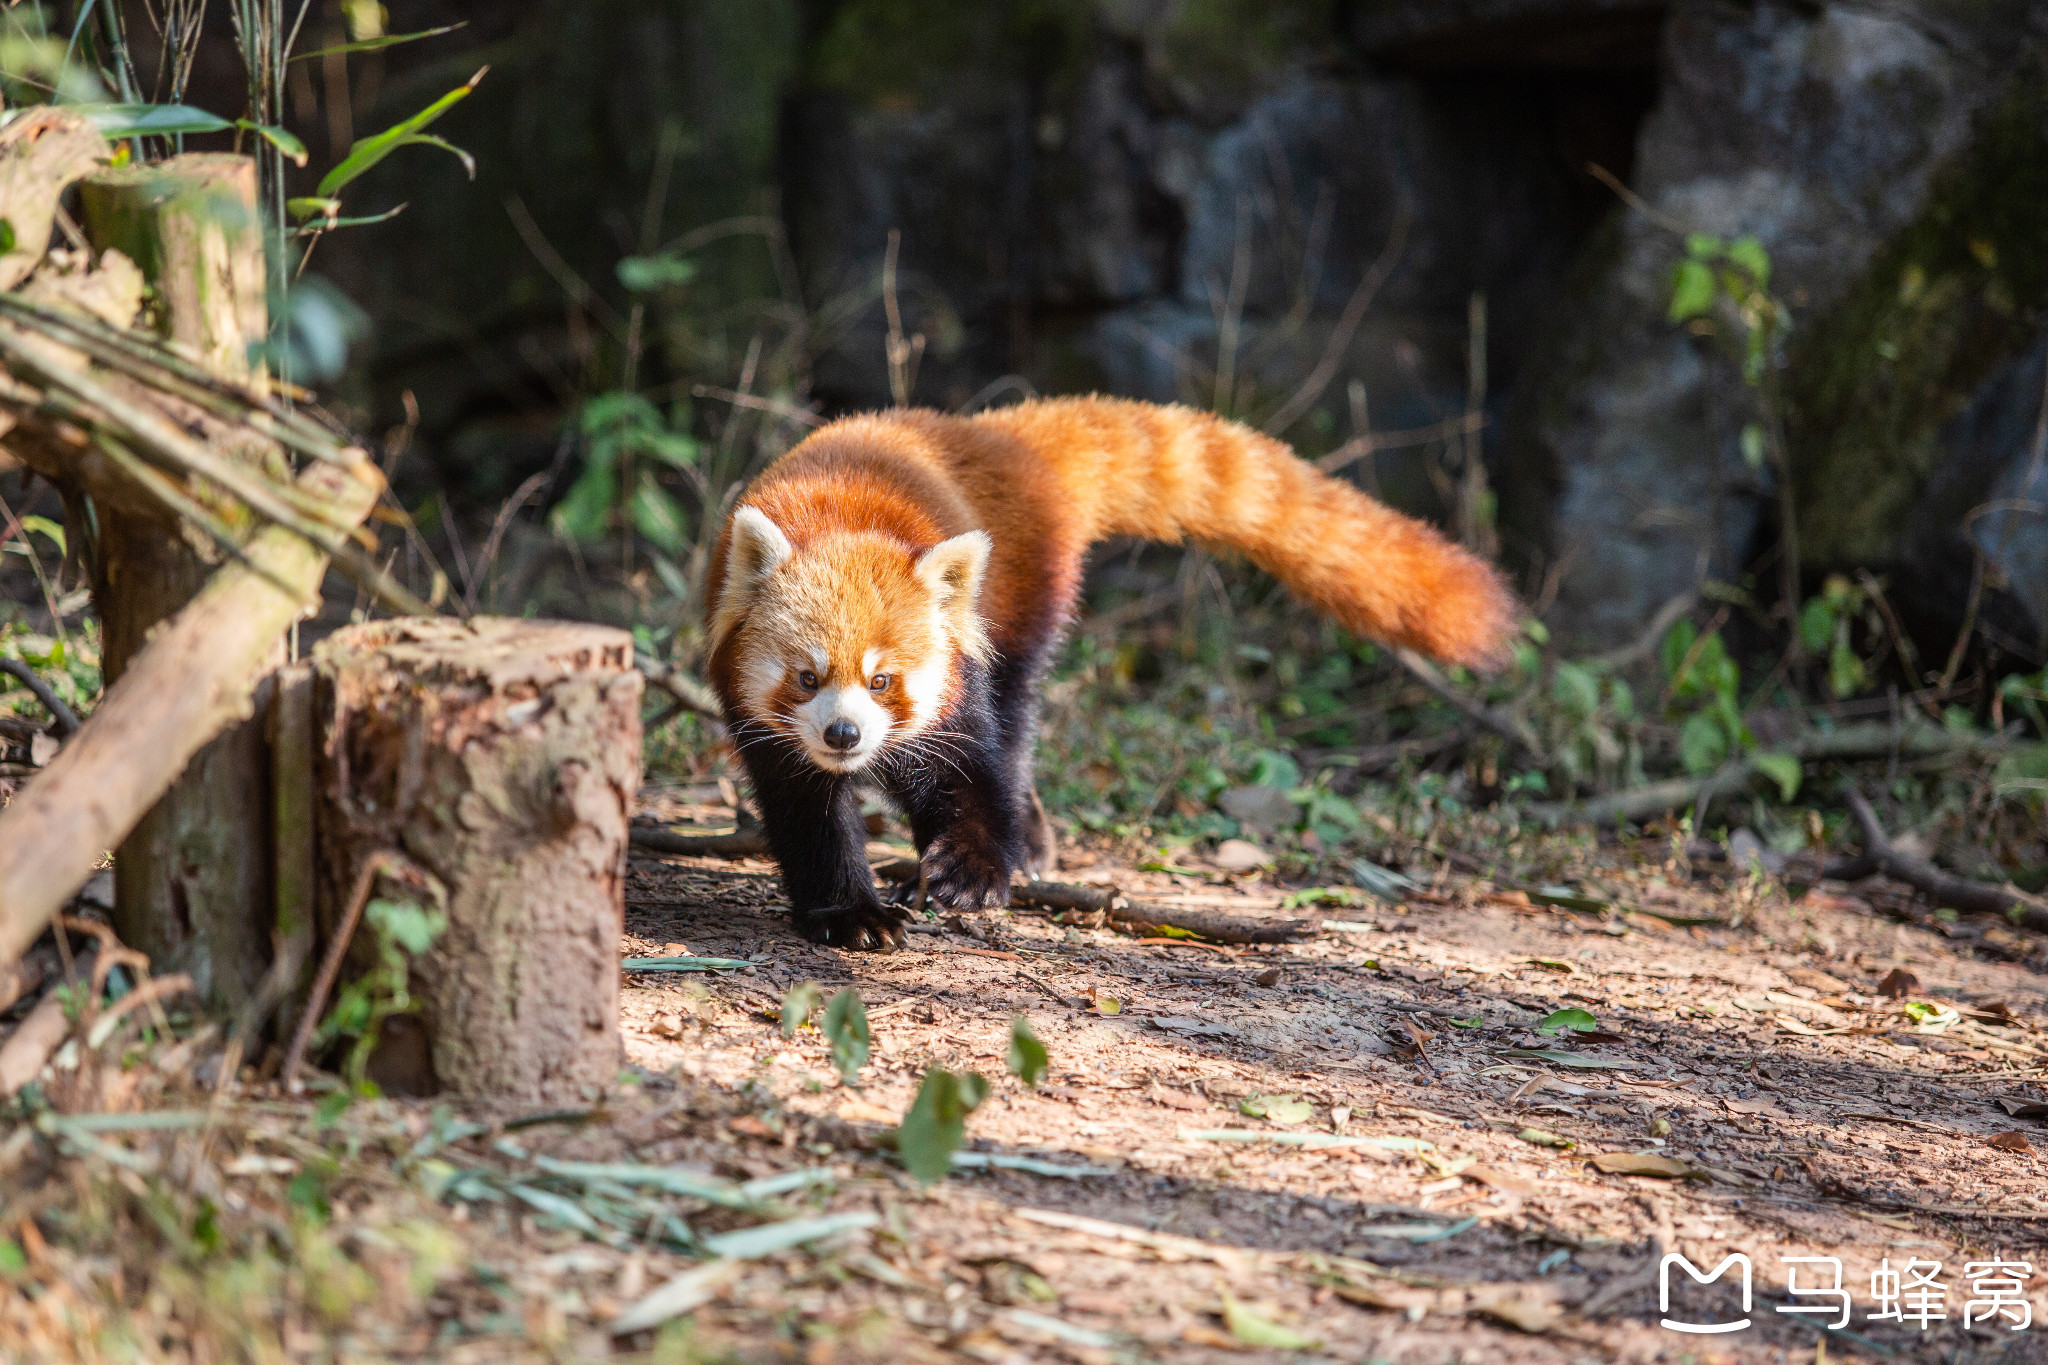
(367, 152)
(379, 43)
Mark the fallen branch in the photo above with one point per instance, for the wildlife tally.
(1849, 742)
(1961, 894)
(744, 842)
(30, 1046)
(1146, 914)
(191, 681)
(690, 693)
(62, 718)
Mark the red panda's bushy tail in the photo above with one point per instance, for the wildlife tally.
(1169, 473)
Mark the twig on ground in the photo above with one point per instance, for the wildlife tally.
(30, 1045)
(1849, 742)
(739, 843)
(1962, 894)
(1118, 907)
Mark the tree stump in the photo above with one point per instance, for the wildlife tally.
(192, 882)
(501, 759)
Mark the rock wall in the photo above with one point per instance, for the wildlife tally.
(1176, 198)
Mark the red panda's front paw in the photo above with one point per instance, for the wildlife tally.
(870, 926)
(962, 874)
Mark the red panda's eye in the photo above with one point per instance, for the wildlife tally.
(808, 680)
(879, 683)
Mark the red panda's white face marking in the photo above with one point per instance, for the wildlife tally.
(849, 645)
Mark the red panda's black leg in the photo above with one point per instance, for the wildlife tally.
(965, 804)
(814, 828)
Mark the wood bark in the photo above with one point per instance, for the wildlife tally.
(193, 881)
(500, 758)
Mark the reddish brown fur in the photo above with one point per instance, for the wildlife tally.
(1047, 479)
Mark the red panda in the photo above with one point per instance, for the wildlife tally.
(886, 595)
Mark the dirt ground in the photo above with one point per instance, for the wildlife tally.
(1744, 1037)
(1357, 1147)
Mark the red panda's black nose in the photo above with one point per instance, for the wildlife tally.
(842, 734)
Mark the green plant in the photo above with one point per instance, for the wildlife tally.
(402, 931)
(936, 1123)
(1027, 1058)
(1703, 682)
(847, 1035)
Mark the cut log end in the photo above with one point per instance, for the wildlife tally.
(502, 758)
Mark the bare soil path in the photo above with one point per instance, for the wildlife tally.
(1746, 1049)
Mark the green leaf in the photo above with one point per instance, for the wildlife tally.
(406, 924)
(7, 238)
(118, 121)
(1749, 253)
(1702, 246)
(1576, 688)
(367, 152)
(331, 1107)
(1846, 673)
(656, 516)
(1253, 1330)
(585, 513)
(1816, 624)
(312, 208)
(1753, 448)
(50, 530)
(645, 274)
(1543, 1137)
(293, 149)
(684, 964)
(936, 1123)
(378, 43)
(1702, 743)
(1678, 642)
(1028, 1059)
(12, 1259)
(846, 1033)
(1578, 1021)
(799, 1003)
(1287, 1109)
(1692, 291)
(1782, 769)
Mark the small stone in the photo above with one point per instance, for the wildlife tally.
(1240, 855)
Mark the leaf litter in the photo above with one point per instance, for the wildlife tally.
(746, 1191)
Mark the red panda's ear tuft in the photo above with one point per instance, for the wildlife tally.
(952, 569)
(757, 548)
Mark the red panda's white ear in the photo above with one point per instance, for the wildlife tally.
(758, 546)
(953, 570)
(756, 549)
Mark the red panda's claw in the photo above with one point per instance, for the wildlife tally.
(875, 927)
(963, 877)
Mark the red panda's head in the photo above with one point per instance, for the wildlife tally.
(850, 644)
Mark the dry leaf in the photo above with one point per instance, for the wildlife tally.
(1519, 1309)
(2024, 1109)
(860, 1111)
(2014, 1141)
(1642, 1163)
(1898, 982)
(1499, 1179)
